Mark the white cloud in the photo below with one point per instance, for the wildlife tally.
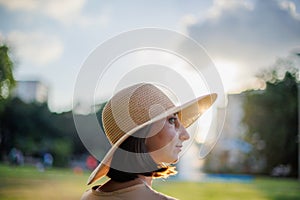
(64, 11)
(221, 5)
(291, 7)
(17, 5)
(36, 47)
(102, 18)
(186, 21)
(249, 34)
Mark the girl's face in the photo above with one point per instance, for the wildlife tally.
(165, 140)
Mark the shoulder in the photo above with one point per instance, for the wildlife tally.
(153, 194)
(91, 194)
(140, 191)
(87, 195)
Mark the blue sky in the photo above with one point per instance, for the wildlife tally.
(51, 39)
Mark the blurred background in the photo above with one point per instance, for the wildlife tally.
(254, 44)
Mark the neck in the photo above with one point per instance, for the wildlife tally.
(111, 185)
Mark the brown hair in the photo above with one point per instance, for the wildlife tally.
(132, 159)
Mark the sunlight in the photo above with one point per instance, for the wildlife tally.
(204, 125)
(229, 74)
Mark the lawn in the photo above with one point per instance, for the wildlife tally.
(29, 183)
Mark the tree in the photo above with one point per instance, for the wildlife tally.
(272, 119)
(7, 81)
(33, 129)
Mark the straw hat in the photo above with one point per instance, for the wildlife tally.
(138, 106)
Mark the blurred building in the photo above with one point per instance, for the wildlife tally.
(233, 126)
(31, 91)
(231, 150)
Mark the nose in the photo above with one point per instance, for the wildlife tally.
(183, 134)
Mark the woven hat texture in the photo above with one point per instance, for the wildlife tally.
(138, 106)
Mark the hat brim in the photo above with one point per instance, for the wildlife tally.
(188, 113)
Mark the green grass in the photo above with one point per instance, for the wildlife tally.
(258, 189)
(28, 183)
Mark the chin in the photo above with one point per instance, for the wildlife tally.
(175, 161)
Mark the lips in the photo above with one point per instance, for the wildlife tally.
(179, 147)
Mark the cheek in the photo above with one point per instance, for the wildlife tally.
(168, 135)
(154, 143)
(164, 138)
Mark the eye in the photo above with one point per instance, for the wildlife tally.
(172, 120)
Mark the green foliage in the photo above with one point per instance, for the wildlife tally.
(62, 149)
(7, 81)
(34, 130)
(272, 119)
(99, 114)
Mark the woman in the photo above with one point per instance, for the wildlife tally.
(146, 131)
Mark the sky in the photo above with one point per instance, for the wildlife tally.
(50, 40)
